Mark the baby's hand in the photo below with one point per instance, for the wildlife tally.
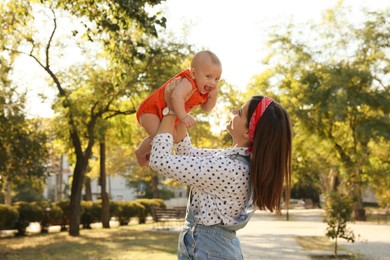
(188, 121)
(213, 92)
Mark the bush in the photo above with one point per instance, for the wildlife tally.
(64, 205)
(115, 208)
(55, 214)
(8, 217)
(90, 213)
(149, 204)
(338, 210)
(127, 210)
(52, 214)
(28, 212)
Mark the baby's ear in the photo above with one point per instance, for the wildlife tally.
(192, 73)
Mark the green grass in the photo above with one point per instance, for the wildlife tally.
(323, 248)
(116, 243)
(315, 243)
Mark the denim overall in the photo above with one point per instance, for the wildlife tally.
(218, 241)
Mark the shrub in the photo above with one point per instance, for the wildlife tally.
(149, 204)
(338, 210)
(8, 217)
(127, 210)
(114, 208)
(64, 205)
(52, 214)
(28, 212)
(91, 212)
(55, 214)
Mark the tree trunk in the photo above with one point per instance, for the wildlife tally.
(88, 188)
(104, 195)
(154, 184)
(7, 194)
(75, 197)
(59, 191)
(359, 211)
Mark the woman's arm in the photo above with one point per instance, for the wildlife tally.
(185, 148)
(213, 174)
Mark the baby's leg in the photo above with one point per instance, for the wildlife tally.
(150, 123)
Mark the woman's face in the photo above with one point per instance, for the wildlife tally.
(237, 126)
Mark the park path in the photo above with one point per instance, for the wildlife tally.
(272, 237)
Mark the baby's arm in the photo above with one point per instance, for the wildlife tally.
(179, 96)
(211, 101)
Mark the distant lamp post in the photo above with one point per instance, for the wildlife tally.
(141, 189)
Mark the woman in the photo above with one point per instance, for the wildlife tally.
(226, 183)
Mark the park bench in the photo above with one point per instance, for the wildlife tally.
(164, 217)
(382, 215)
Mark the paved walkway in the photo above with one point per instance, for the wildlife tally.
(272, 237)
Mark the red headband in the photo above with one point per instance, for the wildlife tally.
(261, 107)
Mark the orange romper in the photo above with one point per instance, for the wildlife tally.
(155, 102)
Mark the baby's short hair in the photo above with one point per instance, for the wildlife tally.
(202, 54)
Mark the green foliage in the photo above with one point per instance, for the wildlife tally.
(91, 94)
(337, 94)
(64, 205)
(149, 204)
(91, 212)
(126, 210)
(53, 214)
(28, 212)
(29, 190)
(112, 17)
(8, 217)
(22, 144)
(338, 212)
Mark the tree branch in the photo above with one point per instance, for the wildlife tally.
(51, 37)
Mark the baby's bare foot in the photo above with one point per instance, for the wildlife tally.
(142, 159)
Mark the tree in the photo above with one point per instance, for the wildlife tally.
(22, 145)
(115, 24)
(337, 90)
(338, 210)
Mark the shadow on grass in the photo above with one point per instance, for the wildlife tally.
(321, 248)
(117, 243)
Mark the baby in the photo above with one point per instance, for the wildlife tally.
(198, 87)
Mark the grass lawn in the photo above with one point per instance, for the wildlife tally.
(126, 242)
(322, 248)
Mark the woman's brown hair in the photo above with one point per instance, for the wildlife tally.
(270, 166)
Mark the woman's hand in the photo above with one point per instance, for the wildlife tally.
(171, 87)
(169, 90)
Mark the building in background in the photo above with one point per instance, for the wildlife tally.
(59, 181)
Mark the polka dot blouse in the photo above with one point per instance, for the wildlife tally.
(219, 180)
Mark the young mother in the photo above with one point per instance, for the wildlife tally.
(226, 183)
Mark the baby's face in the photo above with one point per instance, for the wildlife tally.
(207, 76)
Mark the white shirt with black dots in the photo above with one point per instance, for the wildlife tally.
(220, 182)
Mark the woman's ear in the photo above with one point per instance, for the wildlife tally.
(246, 135)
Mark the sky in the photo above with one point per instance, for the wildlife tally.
(235, 30)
